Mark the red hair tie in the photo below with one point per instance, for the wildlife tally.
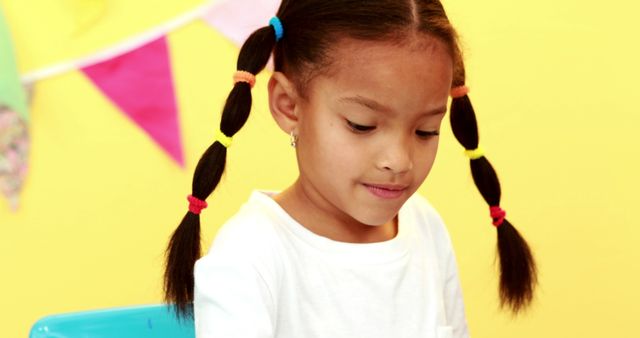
(196, 205)
(498, 215)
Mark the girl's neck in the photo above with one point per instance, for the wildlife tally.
(321, 218)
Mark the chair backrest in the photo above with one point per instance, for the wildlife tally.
(147, 321)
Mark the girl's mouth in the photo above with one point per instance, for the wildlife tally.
(387, 192)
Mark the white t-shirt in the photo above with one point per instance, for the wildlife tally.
(266, 275)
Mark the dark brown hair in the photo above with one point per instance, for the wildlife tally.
(311, 28)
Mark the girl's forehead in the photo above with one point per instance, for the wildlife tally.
(351, 52)
(388, 69)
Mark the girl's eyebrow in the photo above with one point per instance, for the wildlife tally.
(377, 106)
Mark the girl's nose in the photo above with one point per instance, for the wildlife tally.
(396, 157)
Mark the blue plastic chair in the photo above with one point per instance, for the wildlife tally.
(147, 321)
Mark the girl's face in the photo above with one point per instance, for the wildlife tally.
(367, 133)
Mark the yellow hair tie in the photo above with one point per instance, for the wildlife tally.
(475, 153)
(244, 76)
(223, 139)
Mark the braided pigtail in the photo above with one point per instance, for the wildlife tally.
(184, 248)
(518, 272)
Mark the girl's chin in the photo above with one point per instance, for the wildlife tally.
(376, 220)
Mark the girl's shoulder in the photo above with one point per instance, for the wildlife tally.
(248, 236)
(244, 250)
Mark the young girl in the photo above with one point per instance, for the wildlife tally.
(348, 250)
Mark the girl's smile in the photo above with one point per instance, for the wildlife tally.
(389, 191)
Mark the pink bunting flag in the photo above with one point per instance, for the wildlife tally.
(140, 83)
(237, 19)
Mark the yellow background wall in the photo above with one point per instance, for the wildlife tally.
(554, 86)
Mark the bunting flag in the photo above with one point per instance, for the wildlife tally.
(14, 115)
(237, 19)
(135, 74)
(14, 148)
(140, 83)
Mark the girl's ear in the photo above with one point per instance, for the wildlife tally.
(282, 102)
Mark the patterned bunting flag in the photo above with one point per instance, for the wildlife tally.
(14, 115)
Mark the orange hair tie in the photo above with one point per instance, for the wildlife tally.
(459, 91)
(244, 76)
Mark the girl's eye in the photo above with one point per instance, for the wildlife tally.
(427, 134)
(359, 128)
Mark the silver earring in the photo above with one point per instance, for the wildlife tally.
(294, 139)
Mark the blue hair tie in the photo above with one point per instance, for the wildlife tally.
(277, 26)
